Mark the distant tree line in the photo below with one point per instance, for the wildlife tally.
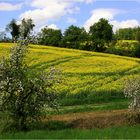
(100, 37)
(77, 38)
(128, 34)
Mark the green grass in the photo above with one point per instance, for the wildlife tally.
(88, 77)
(91, 107)
(122, 132)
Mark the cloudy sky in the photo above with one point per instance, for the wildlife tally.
(63, 13)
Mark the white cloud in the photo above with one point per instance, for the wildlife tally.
(100, 13)
(50, 10)
(71, 20)
(73, 10)
(110, 14)
(86, 1)
(46, 10)
(4, 6)
(53, 26)
(89, 1)
(124, 24)
(42, 16)
(49, 3)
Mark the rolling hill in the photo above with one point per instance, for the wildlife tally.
(88, 77)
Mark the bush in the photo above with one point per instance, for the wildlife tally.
(132, 91)
(137, 50)
(125, 48)
(24, 97)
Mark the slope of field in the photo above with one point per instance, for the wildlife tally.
(88, 76)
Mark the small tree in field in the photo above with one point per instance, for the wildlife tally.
(132, 90)
(23, 96)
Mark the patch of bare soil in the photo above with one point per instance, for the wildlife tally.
(90, 120)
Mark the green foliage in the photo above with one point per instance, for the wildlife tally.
(127, 34)
(26, 27)
(101, 33)
(74, 37)
(137, 50)
(125, 48)
(3, 36)
(98, 38)
(14, 29)
(49, 37)
(138, 35)
(20, 31)
(101, 30)
(23, 96)
(132, 90)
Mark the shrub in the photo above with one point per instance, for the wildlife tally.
(125, 48)
(137, 50)
(23, 96)
(132, 91)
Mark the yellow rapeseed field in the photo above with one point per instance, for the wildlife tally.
(83, 71)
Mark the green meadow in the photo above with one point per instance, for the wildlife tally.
(122, 132)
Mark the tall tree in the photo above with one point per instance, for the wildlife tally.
(13, 28)
(125, 34)
(101, 32)
(50, 36)
(26, 27)
(138, 34)
(74, 37)
(2, 36)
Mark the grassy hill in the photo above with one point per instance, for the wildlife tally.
(88, 77)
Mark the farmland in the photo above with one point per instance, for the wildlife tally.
(91, 91)
(69, 69)
(87, 77)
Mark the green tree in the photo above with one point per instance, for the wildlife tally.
(101, 33)
(2, 36)
(127, 34)
(26, 27)
(74, 37)
(23, 96)
(50, 37)
(138, 35)
(13, 28)
(132, 91)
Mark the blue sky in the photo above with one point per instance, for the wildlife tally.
(62, 13)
